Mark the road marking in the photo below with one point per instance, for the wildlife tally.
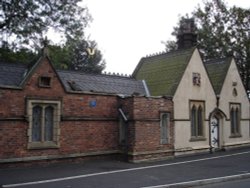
(119, 171)
(203, 181)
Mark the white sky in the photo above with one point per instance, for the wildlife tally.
(127, 30)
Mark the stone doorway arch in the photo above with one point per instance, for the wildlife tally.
(216, 124)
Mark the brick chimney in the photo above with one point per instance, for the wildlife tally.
(187, 36)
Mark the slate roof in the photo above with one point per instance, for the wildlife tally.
(217, 70)
(12, 75)
(100, 83)
(163, 72)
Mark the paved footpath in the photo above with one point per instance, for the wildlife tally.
(179, 172)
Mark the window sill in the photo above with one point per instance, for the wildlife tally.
(164, 142)
(238, 135)
(43, 145)
(196, 139)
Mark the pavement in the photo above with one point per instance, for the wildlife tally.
(188, 171)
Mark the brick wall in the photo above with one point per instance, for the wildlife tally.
(84, 129)
(144, 128)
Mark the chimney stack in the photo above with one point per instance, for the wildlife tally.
(187, 36)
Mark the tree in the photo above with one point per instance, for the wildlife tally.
(223, 32)
(22, 55)
(86, 57)
(79, 55)
(26, 21)
(23, 25)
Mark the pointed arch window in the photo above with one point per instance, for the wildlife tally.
(44, 118)
(193, 121)
(36, 123)
(49, 123)
(197, 119)
(200, 121)
(235, 119)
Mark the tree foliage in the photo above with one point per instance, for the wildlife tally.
(27, 20)
(223, 31)
(77, 56)
(24, 23)
(22, 55)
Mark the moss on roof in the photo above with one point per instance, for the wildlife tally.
(217, 70)
(163, 72)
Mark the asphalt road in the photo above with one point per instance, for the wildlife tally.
(243, 183)
(115, 174)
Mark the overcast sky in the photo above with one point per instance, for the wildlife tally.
(127, 30)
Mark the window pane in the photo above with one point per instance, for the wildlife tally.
(36, 123)
(164, 128)
(200, 122)
(237, 121)
(193, 121)
(49, 115)
(232, 114)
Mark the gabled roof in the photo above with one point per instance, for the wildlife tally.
(163, 72)
(217, 70)
(100, 83)
(16, 75)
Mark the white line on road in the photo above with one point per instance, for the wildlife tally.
(203, 181)
(119, 171)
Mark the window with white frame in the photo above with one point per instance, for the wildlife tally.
(164, 127)
(44, 118)
(197, 112)
(235, 119)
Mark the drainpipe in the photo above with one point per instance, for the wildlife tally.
(217, 101)
(146, 88)
(125, 119)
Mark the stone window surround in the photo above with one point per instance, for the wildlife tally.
(235, 106)
(166, 140)
(197, 104)
(56, 130)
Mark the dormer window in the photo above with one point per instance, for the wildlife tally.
(196, 79)
(44, 81)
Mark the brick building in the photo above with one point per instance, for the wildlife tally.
(174, 104)
(48, 114)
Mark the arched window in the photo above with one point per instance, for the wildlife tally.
(193, 121)
(200, 122)
(232, 117)
(235, 119)
(49, 116)
(197, 119)
(36, 123)
(44, 119)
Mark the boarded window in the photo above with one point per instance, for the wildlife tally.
(164, 128)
